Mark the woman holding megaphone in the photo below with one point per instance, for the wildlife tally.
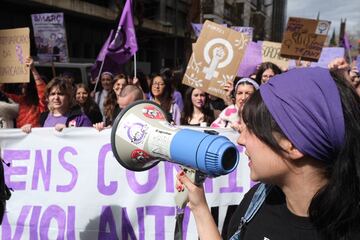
(301, 135)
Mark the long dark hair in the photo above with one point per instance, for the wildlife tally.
(189, 109)
(90, 108)
(5, 194)
(166, 98)
(31, 94)
(335, 209)
(263, 66)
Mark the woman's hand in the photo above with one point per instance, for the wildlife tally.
(205, 223)
(228, 88)
(59, 127)
(339, 64)
(29, 62)
(99, 126)
(236, 126)
(301, 64)
(196, 194)
(26, 128)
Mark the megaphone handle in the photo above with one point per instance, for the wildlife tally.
(181, 198)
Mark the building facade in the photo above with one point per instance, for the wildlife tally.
(163, 27)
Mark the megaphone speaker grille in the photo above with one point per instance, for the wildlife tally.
(229, 159)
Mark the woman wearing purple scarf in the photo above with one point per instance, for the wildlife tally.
(302, 138)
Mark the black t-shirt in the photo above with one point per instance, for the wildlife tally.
(273, 220)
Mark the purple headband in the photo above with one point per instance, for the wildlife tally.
(305, 103)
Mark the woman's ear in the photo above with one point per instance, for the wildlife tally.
(290, 149)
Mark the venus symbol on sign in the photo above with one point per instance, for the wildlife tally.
(218, 54)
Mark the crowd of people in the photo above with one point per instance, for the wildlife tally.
(300, 129)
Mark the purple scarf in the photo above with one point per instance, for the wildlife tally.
(306, 104)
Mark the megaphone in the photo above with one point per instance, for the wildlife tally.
(141, 137)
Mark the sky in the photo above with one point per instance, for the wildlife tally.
(331, 10)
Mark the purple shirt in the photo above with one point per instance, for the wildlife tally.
(52, 120)
(79, 121)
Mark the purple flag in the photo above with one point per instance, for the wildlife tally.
(251, 59)
(123, 43)
(345, 42)
(103, 51)
(109, 65)
(120, 46)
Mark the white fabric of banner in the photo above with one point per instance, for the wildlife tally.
(68, 185)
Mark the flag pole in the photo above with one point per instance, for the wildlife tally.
(135, 65)
(349, 55)
(99, 74)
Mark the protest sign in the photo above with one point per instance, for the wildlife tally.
(304, 38)
(215, 59)
(68, 185)
(327, 55)
(14, 49)
(197, 28)
(50, 37)
(246, 30)
(358, 62)
(259, 52)
(271, 53)
(251, 59)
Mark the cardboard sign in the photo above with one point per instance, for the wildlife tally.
(14, 49)
(50, 37)
(271, 53)
(215, 59)
(304, 38)
(327, 55)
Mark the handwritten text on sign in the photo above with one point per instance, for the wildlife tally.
(14, 49)
(304, 38)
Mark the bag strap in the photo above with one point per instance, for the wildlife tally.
(255, 204)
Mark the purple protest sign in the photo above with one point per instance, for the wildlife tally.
(358, 62)
(198, 26)
(252, 58)
(248, 31)
(327, 55)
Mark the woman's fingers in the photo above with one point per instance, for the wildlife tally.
(26, 128)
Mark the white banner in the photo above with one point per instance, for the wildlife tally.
(68, 185)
